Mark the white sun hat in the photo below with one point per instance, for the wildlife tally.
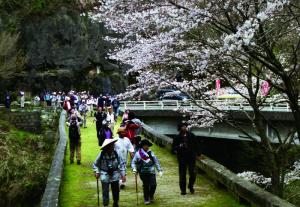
(108, 142)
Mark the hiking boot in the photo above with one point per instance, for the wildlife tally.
(115, 205)
(192, 190)
(147, 202)
(78, 162)
(183, 193)
(71, 161)
(151, 200)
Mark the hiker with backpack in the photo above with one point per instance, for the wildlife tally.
(123, 146)
(144, 162)
(109, 167)
(75, 138)
(131, 128)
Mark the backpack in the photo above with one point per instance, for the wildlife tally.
(143, 167)
(110, 170)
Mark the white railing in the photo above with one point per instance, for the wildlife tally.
(234, 105)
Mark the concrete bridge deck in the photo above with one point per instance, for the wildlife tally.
(227, 104)
(163, 116)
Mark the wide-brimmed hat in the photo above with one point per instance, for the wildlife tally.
(145, 142)
(108, 142)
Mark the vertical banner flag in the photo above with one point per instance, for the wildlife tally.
(265, 87)
(218, 86)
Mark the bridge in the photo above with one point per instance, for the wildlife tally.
(163, 116)
(197, 105)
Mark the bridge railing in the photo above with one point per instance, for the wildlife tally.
(226, 104)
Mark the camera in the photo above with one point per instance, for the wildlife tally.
(110, 170)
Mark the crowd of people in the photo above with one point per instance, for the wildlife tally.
(110, 165)
(83, 101)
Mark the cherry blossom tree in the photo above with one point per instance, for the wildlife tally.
(243, 43)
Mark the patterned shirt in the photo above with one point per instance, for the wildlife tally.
(143, 167)
(106, 162)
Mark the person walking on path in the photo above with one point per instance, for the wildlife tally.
(100, 101)
(144, 163)
(22, 98)
(7, 100)
(100, 117)
(83, 109)
(110, 118)
(137, 131)
(186, 146)
(125, 117)
(90, 103)
(131, 127)
(105, 133)
(75, 138)
(123, 146)
(109, 167)
(116, 106)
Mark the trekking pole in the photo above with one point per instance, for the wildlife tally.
(98, 191)
(136, 190)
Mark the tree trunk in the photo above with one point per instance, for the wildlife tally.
(277, 177)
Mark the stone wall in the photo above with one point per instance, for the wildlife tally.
(243, 190)
(28, 121)
(51, 194)
(33, 120)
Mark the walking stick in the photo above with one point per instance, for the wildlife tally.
(136, 190)
(98, 191)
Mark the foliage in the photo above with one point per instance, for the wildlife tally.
(292, 182)
(24, 165)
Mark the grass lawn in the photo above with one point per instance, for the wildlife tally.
(79, 184)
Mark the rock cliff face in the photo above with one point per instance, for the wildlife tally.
(67, 45)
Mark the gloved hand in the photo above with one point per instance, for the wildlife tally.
(160, 173)
(134, 171)
(123, 179)
(97, 175)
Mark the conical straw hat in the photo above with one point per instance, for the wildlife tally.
(108, 142)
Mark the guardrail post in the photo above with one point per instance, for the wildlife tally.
(272, 107)
(125, 106)
(177, 104)
(162, 104)
(144, 102)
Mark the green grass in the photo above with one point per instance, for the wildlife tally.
(79, 184)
